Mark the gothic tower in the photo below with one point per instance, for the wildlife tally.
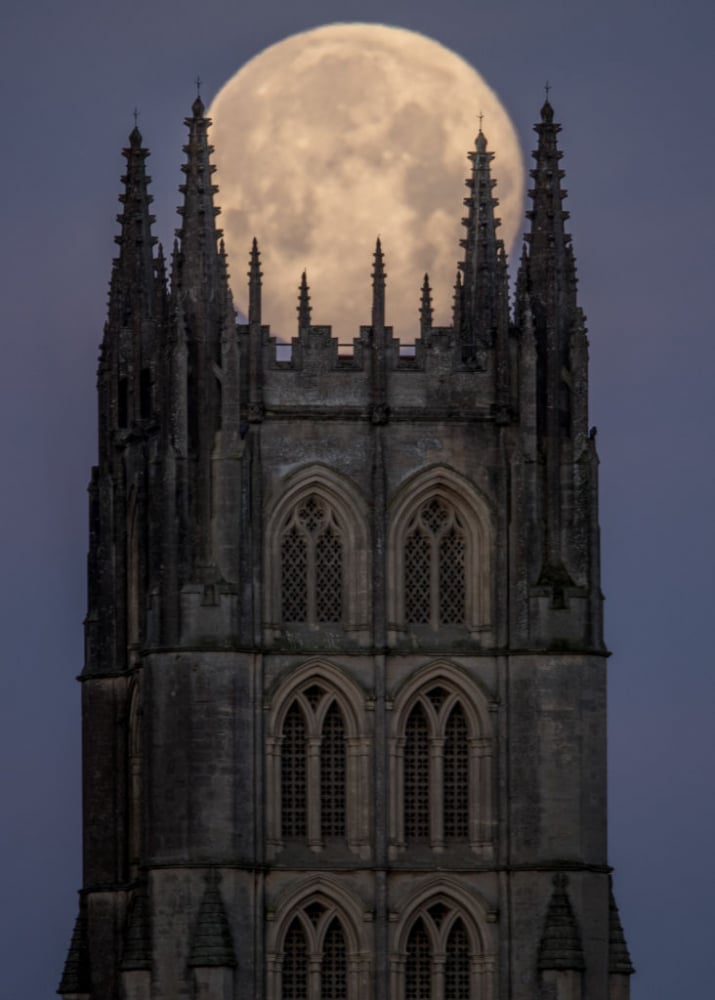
(344, 691)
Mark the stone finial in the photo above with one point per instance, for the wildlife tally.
(378, 286)
(303, 309)
(75, 977)
(619, 959)
(137, 938)
(560, 946)
(426, 307)
(212, 944)
(254, 284)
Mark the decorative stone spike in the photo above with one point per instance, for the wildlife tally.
(426, 307)
(378, 286)
(304, 312)
(137, 941)
(560, 946)
(619, 959)
(254, 284)
(212, 945)
(457, 304)
(75, 978)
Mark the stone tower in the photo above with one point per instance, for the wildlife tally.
(344, 693)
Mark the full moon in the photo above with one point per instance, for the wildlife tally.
(337, 135)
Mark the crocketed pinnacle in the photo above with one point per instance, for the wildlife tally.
(304, 316)
(199, 255)
(75, 977)
(378, 286)
(426, 306)
(137, 940)
(132, 283)
(212, 944)
(619, 959)
(560, 946)
(480, 298)
(551, 262)
(457, 303)
(254, 284)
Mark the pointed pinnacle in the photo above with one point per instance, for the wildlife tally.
(254, 284)
(378, 272)
(426, 306)
(303, 310)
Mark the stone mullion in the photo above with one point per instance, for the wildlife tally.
(274, 748)
(436, 793)
(353, 792)
(314, 977)
(397, 784)
(438, 963)
(315, 841)
(484, 758)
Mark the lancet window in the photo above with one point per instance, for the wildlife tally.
(441, 766)
(316, 956)
(311, 553)
(317, 762)
(435, 565)
(439, 953)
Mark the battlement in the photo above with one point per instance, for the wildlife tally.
(316, 370)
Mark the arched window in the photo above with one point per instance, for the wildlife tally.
(295, 964)
(311, 575)
(317, 768)
(293, 775)
(441, 949)
(434, 566)
(441, 774)
(418, 967)
(440, 542)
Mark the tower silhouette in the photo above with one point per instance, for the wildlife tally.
(344, 708)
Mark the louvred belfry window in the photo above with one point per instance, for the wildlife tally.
(311, 550)
(434, 566)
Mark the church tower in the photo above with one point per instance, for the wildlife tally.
(344, 696)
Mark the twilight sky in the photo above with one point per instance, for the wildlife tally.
(632, 83)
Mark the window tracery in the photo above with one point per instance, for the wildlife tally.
(317, 765)
(434, 565)
(441, 760)
(311, 573)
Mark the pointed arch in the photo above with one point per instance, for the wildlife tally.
(332, 922)
(452, 775)
(445, 925)
(439, 555)
(337, 766)
(317, 555)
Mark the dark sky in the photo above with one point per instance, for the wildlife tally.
(632, 83)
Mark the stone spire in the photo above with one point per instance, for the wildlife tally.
(619, 959)
(212, 944)
(378, 287)
(254, 284)
(198, 259)
(132, 284)
(560, 947)
(75, 977)
(481, 296)
(303, 303)
(426, 307)
(137, 939)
